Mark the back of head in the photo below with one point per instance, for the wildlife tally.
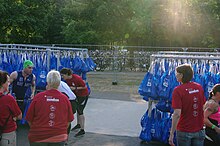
(187, 72)
(53, 79)
(66, 71)
(3, 77)
(215, 89)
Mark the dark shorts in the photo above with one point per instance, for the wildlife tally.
(79, 104)
(21, 104)
(74, 105)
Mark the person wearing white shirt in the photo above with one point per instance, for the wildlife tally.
(65, 89)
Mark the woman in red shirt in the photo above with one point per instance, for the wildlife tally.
(81, 91)
(9, 112)
(187, 101)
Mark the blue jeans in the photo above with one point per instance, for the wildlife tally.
(190, 139)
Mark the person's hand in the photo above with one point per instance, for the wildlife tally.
(217, 130)
(73, 88)
(14, 118)
(32, 95)
(171, 140)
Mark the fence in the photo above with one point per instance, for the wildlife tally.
(128, 58)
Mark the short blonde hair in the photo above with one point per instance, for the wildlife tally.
(53, 79)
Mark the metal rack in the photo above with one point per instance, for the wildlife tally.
(39, 48)
(154, 56)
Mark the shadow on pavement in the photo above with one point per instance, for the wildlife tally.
(89, 139)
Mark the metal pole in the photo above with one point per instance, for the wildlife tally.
(48, 58)
(115, 53)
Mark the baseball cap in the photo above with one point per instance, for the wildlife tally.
(28, 63)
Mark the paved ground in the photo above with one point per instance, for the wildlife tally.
(123, 95)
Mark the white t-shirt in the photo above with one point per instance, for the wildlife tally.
(66, 89)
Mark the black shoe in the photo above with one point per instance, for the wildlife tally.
(76, 127)
(80, 133)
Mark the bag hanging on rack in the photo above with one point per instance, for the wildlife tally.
(157, 126)
(210, 81)
(164, 105)
(84, 67)
(164, 87)
(147, 87)
(41, 73)
(77, 64)
(165, 126)
(6, 65)
(90, 63)
(53, 61)
(145, 134)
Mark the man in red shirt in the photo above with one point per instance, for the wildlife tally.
(49, 114)
(187, 101)
(81, 91)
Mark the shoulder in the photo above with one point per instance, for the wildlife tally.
(34, 77)
(40, 94)
(14, 74)
(211, 105)
(10, 98)
(196, 84)
(76, 76)
(177, 88)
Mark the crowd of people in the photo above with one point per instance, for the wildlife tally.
(50, 113)
(195, 121)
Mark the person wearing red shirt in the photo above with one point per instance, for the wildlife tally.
(81, 91)
(212, 117)
(49, 114)
(187, 101)
(9, 112)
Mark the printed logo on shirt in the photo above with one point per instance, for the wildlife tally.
(20, 79)
(51, 123)
(193, 91)
(195, 106)
(52, 99)
(52, 108)
(195, 113)
(51, 116)
(195, 99)
(19, 83)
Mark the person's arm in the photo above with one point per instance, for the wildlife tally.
(33, 86)
(19, 117)
(175, 119)
(209, 109)
(13, 76)
(29, 123)
(81, 86)
(78, 88)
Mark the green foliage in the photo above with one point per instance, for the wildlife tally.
(118, 22)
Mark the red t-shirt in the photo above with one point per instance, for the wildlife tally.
(49, 113)
(8, 102)
(189, 97)
(78, 82)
